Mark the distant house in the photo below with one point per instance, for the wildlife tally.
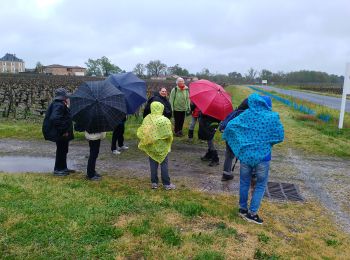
(57, 69)
(11, 64)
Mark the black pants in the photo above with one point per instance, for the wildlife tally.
(118, 135)
(179, 117)
(61, 155)
(94, 150)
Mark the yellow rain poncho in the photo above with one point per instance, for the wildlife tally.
(155, 133)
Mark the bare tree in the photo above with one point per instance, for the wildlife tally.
(139, 69)
(156, 68)
(251, 75)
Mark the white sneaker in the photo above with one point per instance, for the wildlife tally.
(170, 187)
(122, 148)
(116, 152)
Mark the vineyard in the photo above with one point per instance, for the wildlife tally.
(319, 87)
(23, 95)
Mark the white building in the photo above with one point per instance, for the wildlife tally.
(11, 64)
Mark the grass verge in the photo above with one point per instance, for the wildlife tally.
(44, 217)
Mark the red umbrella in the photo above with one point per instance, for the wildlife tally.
(211, 98)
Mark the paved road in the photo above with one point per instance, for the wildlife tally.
(331, 102)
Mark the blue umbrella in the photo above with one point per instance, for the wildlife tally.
(134, 89)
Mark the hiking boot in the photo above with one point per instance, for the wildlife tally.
(253, 218)
(242, 212)
(170, 187)
(60, 173)
(207, 156)
(94, 178)
(98, 175)
(116, 152)
(226, 177)
(213, 163)
(214, 159)
(154, 186)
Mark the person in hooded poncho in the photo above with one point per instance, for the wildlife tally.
(156, 137)
(251, 136)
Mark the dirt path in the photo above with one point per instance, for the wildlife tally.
(324, 179)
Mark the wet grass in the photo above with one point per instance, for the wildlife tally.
(30, 129)
(123, 218)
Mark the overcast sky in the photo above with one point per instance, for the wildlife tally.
(221, 35)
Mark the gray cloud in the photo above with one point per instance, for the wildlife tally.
(221, 35)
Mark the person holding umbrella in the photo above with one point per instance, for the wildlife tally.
(94, 144)
(180, 105)
(58, 128)
(156, 137)
(215, 104)
(134, 90)
(97, 107)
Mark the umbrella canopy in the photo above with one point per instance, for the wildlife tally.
(134, 89)
(211, 98)
(97, 106)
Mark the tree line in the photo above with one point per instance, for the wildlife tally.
(103, 67)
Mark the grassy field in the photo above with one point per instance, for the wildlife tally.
(43, 217)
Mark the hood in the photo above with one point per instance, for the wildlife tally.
(156, 94)
(157, 108)
(258, 103)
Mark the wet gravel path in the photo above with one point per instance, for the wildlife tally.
(319, 178)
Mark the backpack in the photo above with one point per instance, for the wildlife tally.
(47, 126)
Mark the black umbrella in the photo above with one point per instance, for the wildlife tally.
(97, 106)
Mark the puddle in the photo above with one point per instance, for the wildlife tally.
(21, 164)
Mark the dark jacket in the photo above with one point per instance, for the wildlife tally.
(207, 127)
(57, 122)
(157, 97)
(244, 105)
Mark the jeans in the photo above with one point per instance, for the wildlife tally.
(229, 156)
(118, 135)
(262, 173)
(193, 123)
(94, 151)
(61, 155)
(163, 169)
(179, 118)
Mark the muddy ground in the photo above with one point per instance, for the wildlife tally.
(319, 178)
